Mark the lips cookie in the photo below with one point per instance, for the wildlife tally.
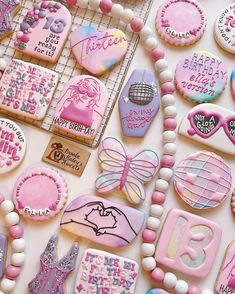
(201, 77)
(12, 145)
(181, 22)
(98, 51)
(40, 193)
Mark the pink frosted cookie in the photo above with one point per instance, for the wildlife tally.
(81, 107)
(201, 77)
(12, 145)
(27, 89)
(98, 51)
(44, 30)
(226, 278)
(181, 22)
(203, 180)
(102, 221)
(103, 272)
(188, 243)
(40, 193)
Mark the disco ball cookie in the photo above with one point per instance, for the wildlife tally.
(181, 22)
(40, 193)
(203, 180)
(201, 77)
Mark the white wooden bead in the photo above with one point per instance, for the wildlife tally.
(181, 287)
(117, 10)
(150, 43)
(148, 263)
(7, 206)
(169, 137)
(147, 249)
(165, 76)
(17, 259)
(7, 285)
(161, 65)
(161, 185)
(169, 148)
(83, 3)
(168, 100)
(169, 280)
(12, 218)
(127, 15)
(165, 173)
(94, 4)
(156, 210)
(153, 223)
(207, 291)
(145, 33)
(18, 245)
(170, 111)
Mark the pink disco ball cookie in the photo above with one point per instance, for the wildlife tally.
(203, 180)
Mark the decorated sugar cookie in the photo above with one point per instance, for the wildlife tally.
(139, 102)
(181, 22)
(3, 253)
(12, 145)
(226, 279)
(157, 291)
(188, 243)
(225, 29)
(123, 171)
(27, 89)
(105, 272)
(210, 124)
(53, 272)
(81, 107)
(44, 30)
(203, 180)
(98, 51)
(102, 221)
(8, 8)
(201, 77)
(40, 193)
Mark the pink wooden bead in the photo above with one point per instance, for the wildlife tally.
(170, 124)
(158, 198)
(137, 24)
(2, 198)
(167, 88)
(149, 236)
(12, 272)
(158, 275)
(157, 54)
(193, 290)
(167, 161)
(106, 6)
(16, 231)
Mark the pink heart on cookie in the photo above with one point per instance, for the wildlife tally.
(98, 51)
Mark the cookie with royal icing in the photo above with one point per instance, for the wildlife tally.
(210, 124)
(26, 89)
(102, 221)
(98, 51)
(181, 22)
(201, 77)
(44, 30)
(188, 243)
(12, 145)
(225, 29)
(139, 102)
(40, 193)
(203, 180)
(3, 253)
(81, 107)
(107, 273)
(8, 8)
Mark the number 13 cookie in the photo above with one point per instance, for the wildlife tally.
(44, 30)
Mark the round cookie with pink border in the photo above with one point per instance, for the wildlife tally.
(40, 193)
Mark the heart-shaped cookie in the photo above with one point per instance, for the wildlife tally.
(98, 51)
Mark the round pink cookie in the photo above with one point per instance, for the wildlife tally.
(181, 22)
(40, 193)
(201, 77)
(12, 145)
(203, 180)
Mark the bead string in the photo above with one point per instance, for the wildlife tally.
(16, 232)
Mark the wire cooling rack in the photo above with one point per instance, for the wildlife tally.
(67, 66)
